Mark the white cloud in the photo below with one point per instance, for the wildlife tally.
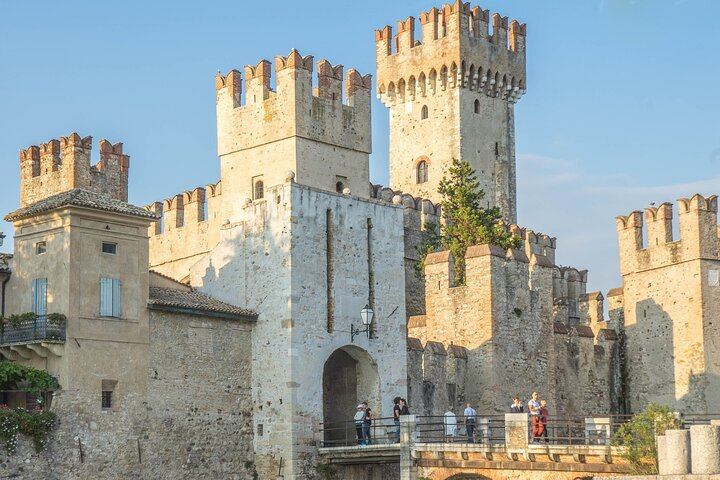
(557, 197)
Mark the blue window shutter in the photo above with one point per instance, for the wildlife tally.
(116, 297)
(39, 296)
(106, 300)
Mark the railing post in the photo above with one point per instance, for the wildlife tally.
(516, 431)
(408, 434)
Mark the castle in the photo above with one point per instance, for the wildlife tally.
(209, 334)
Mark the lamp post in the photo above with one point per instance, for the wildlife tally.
(366, 315)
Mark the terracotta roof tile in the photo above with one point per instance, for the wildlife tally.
(196, 301)
(79, 198)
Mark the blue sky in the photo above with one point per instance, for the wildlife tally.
(621, 110)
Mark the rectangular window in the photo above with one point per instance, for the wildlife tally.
(39, 296)
(106, 393)
(110, 248)
(40, 248)
(107, 399)
(110, 297)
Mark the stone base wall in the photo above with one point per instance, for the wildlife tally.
(194, 420)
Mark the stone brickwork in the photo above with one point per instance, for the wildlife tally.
(309, 260)
(189, 228)
(460, 81)
(292, 127)
(513, 334)
(670, 303)
(189, 418)
(61, 165)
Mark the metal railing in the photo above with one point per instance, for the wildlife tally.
(488, 430)
(38, 329)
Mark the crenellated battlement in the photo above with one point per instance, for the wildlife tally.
(457, 50)
(64, 164)
(646, 238)
(293, 77)
(282, 123)
(190, 226)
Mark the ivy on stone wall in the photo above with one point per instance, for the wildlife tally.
(35, 424)
(465, 221)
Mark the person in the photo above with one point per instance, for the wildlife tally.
(404, 409)
(396, 418)
(470, 416)
(534, 410)
(359, 417)
(543, 420)
(367, 422)
(450, 425)
(516, 406)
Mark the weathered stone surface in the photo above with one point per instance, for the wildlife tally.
(705, 449)
(677, 452)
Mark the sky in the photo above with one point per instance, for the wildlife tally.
(621, 108)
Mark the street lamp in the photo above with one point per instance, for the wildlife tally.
(366, 315)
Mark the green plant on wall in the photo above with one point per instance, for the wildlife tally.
(13, 375)
(465, 221)
(637, 437)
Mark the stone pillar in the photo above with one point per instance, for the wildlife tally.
(408, 434)
(661, 454)
(677, 452)
(516, 431)
(705, 449)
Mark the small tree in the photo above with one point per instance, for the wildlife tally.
(465, 221)
(638, 437)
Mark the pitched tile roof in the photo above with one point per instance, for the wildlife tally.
(195, 302)
(79, 198)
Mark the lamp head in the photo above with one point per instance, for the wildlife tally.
(366, 314)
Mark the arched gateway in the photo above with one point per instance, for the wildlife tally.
(350, 376)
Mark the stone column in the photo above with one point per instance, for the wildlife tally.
(516, 431)
(661, 454)
(677, 452)
(705, 449)
(408, 434)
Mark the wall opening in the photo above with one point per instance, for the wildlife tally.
(350, 376)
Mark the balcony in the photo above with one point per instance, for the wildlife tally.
(39, 336)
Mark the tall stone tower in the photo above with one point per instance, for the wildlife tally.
(453, 96)
(292, 127)
(671, 300)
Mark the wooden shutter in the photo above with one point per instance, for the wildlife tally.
(106, 297)
(116, 297)
(39, 296)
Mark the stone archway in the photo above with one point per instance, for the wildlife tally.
(350, 376)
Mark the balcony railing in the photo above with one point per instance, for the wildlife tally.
(29, 331)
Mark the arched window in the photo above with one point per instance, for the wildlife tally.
(477, 106)
(422, 172)
(424, 112)
(259, 190)
(339, 187)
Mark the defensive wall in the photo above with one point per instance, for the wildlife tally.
(517, 336)
(64, 164)
(670, 303)
(292, 126)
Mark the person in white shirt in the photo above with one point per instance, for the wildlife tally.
(450, 425)
(534, 410)
(470, 418)
(359, 417)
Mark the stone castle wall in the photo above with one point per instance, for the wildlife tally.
(518, 336)
(64, 164)
(189, 228)
(192, 417)
(458, 80)
(670, 302)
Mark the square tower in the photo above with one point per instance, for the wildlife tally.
(671, 300)
(326, 143)
(452, 96)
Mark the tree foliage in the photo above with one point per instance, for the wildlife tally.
(465, 221)
(12, 375)
(638, 437)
